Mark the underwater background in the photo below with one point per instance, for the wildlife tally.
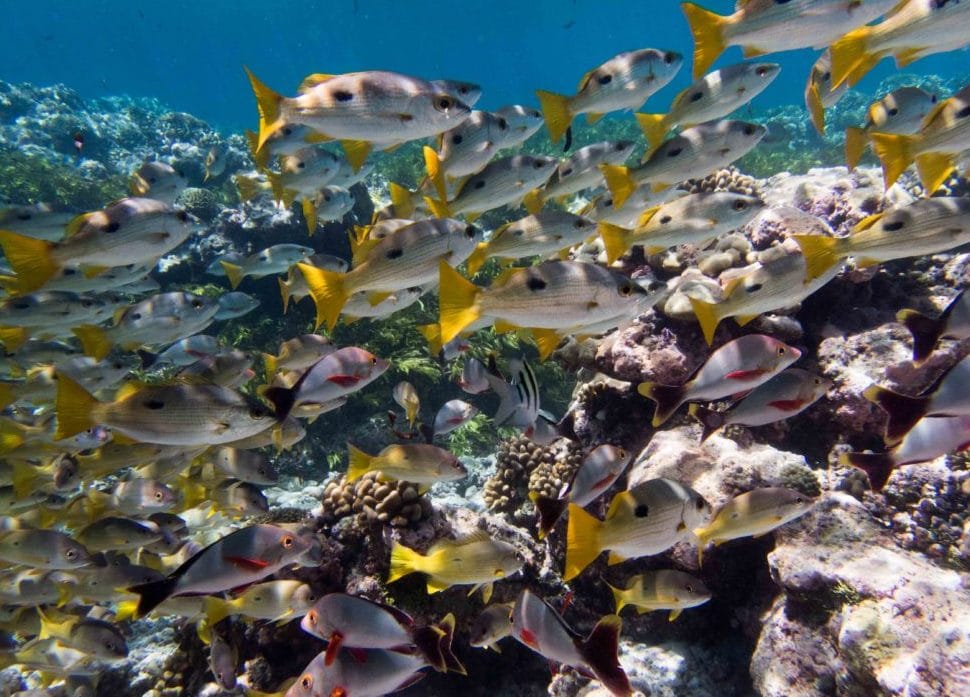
(863, 592)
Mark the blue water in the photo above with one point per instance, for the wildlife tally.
(190, 54)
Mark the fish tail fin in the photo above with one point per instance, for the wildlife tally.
(821, 253)
(707, 315)
(269, 365)
(401, 199)
(619, 597)
(550, 511)
(926, 332)
(153, 594)
(619, 182)
(268, 104)
(428, 642)
(855, 144)
(359, 463)
(849, 54)
(708, 30)
(260, 157)
(600, 651)
(125, 610)
(404, 561)
(309, 207)
(895, 153)
(432, 334)
(248, 187)
(13, 338)
(74, 407)
(667, 397)
(534, 201)
(282, 399)
(477, 258)
(439, 207)
(94, 340)
(30, 258)
(447, 629)
(216, 610)
(285, 294)
(654, 127)
(8, 395)
(234, 272)
(356, 152)
(582, 541)
(23, 478)
(934, 168)
(328, 290)
(813, 102)
(903, 411)
(710, 420)
(877, 466)
(616, 240)
(432, 165)
(458, 300)
(555, 110)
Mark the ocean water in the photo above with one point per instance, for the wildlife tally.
(796, 534)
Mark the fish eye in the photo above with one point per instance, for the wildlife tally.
(457, 139)
(689, 588)
(112, 227)
(444, 103)
(740, 205)
(311, 617)
(538, 164)
(781, 351)
(373, 360)
(470, 231)
(607, 203)
(158, 496)
(626, 290)
(621, 454)
(700, 504)
(761, 72)
(503, 125)
(605, 79)
(151, 180)
(301, 164)
(619, 146)
(343, 95)
(696, 96)
(674, 152)
(286, 541)
(70, 272)
(70, 554)
(136, 315)
(894, 111)
(326, 197)
(197, 304)
(963, 113)
(748, 129)
(306, 682)
(641, 511)
(826, 76)
(287, 131)
(579, 224)
(669, 58)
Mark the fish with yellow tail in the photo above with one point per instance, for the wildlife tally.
(664, 589)
(623, 82)
(409, 257)
(272, 260)
(648, 519)
(159, 181)
(695, 152)
(944, 134)
(274, 601)
(901, 111)
(465, 149)
(43, 549)
(925, 226)
(820, 94)
(42, 220)
(298, 353)
(363, 673)
(420, 463)
(128, 231)
(92, 636)
(581, 171)
(477, 560)
(539, 627)
(524, 122)
(752, 514)
(915, 29)
(737, 367)
(952, 323)
(294, 287)
(406, 397)
(711, 97)
(359, 109)
(769, 26)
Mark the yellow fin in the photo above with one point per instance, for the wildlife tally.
(745, 319)
(934, 168)
(477, 258)
(592, 117)
(654, 127)
(260, 157)
(616, 240)
(458, 301)
(234, 272)
(359, 463)
(284, 293)
(75, 408)
(867, 222)
(94, 271)
(708, 31)
(312, 80)
(895, 152)
(432, 165)
(432, 334)
(268, 104)
(908, 55)
(813, 102)
(328, 291)
(848, 53)
(216, 610)
(555, 109)
(248, 187)
(310, 215)
(356, 152)
(855, 145)
(707, 315)
(582, 541)
(820, 252)
(619, 597)
(674, 614)
(619, 182)
(404, 561)
(94, 341)
(13, 337)
(30, 258)
(401, 199)
(546, 341)
(533, 201)
(439, 209)
(377, 297)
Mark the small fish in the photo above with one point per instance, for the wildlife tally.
(648, 519)
(412, 462)
(289, 432)
(118, 534)
(925, 226)
(492, 625)
(78, 142)
(465, 149)
(298, 353)
(467, 92)
(158, 181)
(183, 352)
(93, 637)
(273, 601)
(536, 625)
(453, 414)
(478, 560)
(767, 26)
(43, 549)
(901, 111)
(581, 170)
(235, 304)
(295, 286)
(407, 398)
(691, 219)
(952, 323)
(518, 398)
(665, 589)
(330, 203)
(40, 220)
(359, 304)
(238, 499)
(142, 496)
(223, 661)
(623, 82)
(226, 368)
(244, 465)
(603, 208)
(738, 366)
(272, 260)
(710, 97)
(524, 122)
(364, 673)
(53, 657)
(788, 393)
(751, 514)
(473, 378)
(240, 558)
(820, 93)
(215, 162)
(288, 140)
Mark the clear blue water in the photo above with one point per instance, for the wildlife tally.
(190, 54)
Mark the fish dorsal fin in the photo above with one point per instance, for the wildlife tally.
(505, 276)
(76, 223)
(499, 231)
(312, 80)
(933, 114)
(584, 80)
(647, 215)
(731, 285)
(619, 502)
(867, 222)
(128, 389)
(471, 538)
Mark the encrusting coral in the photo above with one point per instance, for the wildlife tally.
(398, 504)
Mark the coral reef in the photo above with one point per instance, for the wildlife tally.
(398, 504)
(727, 179)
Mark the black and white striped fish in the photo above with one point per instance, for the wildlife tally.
(519, 397)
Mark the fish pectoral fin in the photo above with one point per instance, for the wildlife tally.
(222, 427)
(674, 614)
(436, 586)
(615, 558)
(247, 563)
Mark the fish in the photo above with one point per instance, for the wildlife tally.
(952, 323)
(788, 393)
(234, 305)
(493, 624)
(364, 673)
(244, 465)
(925, 226)
(272, 260)
(91, 636)
(915, 29)
(935, 148)
(40, 220)
(766, 26)
(117, 534)
(581, 170)
(360, 108)
(159, 181)
(138, 496)
(820, 93)
(736, 367)
(359, 304)
(298, 353)
(648, 519)
(330, 203)
(558, 295)
(420, 463)
(598, 471)
(239, 499)
(405, 259)
(536, 625)
(336, 375)
(664, 589)
(518, 398)
(539, 234)
(465, 149)
(288, 140)
(453, 414)
(242, 557)
(603, 208)
(713, 96)
(295, 287)
(524, 122)
(407, 398)
(215, 162)
(752, 514)
(901, 111)
(467, 92)
(274, 601)
(128, 279)
(223, 661)
(55, 658)
(691, 219)
(694, 152)
(350, 621)
(183, 352)
(227, 368)
(625, 81)
(477, 560)
(473, 379)
(174, 414)
(43, 549)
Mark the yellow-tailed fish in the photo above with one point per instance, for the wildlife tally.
(272, 260)
(43, 549)
(407, 398)
(359, 304)
(40, 220)
(288, 140)
(604, 208)
(465, 149)
(901, 111)
(244, 465)
(118, 534)
(664, 589)
(294, 286)
(298, 353)
(581, 170)
(92, 636)
(523, 122)
(274, 601)
(159, 181)
(820, 93)
(410, 462)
